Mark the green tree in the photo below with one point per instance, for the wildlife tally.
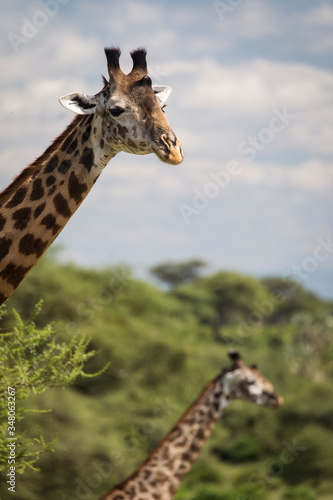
(176, 273)
(32, 362)
(233, 297)
(289, 297)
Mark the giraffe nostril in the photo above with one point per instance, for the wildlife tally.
(165, 140)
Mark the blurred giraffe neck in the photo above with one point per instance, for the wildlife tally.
(160, 476)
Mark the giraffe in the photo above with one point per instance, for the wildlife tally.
(159, 477)
(126, 115)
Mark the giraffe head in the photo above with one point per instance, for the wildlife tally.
(247, 383)
(130, 110)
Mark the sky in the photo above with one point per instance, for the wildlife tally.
(252, 105)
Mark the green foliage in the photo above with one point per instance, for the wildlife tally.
(314, 459)
(299, 493)
(176, 273)
(242, 492)
(225, 298)
(32, 362)
(244, 449)
(289, 298)
(160, 353)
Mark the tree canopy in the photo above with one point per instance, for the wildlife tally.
(159, 350)
(176, 273)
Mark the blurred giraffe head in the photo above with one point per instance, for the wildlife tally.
(248, 384)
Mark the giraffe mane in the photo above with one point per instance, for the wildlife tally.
(27, 172)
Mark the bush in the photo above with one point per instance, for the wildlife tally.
(299, 493)
(31, 362)
(245, 449)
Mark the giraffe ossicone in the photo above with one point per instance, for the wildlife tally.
(126, 115)
(159, 477)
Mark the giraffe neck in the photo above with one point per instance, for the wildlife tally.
(161, 475)
(41, 200)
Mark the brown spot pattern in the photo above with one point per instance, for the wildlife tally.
(50, 180)
(64, 166)
(37, 190)
(72, 147)
(5, 244)
(176, 433)
(14, 274)
(50, 222)
(76, 188)
(142, 487)
(123, 131)
(131, 143)
(131, 492)
(62, 206)
(146, 475)
(17, 198)
(30, 245)
(2, 222)
(86, 133)
(87, 158)
(68, 140)
(22, 217)
(39, 210)
(52, 164)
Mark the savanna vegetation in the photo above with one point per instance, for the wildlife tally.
(123, 359)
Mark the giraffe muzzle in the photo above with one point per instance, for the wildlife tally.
(169, 150)
(275, 401)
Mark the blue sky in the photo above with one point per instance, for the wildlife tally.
(252, 105)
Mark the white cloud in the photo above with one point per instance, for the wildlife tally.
(317, 24)
(258, 85)
(227, 78)
(311, 175)
(320, 15)
(248, 92)
(252, 19)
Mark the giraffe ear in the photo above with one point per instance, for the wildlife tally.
(162, 93)
(79, 103)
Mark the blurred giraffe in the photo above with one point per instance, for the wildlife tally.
(159, 477)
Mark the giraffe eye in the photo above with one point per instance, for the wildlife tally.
(116, 111)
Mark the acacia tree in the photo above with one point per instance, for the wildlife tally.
(223, 298)
(293, 299)
(177, 273)
(234, 297)
(31, 362)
